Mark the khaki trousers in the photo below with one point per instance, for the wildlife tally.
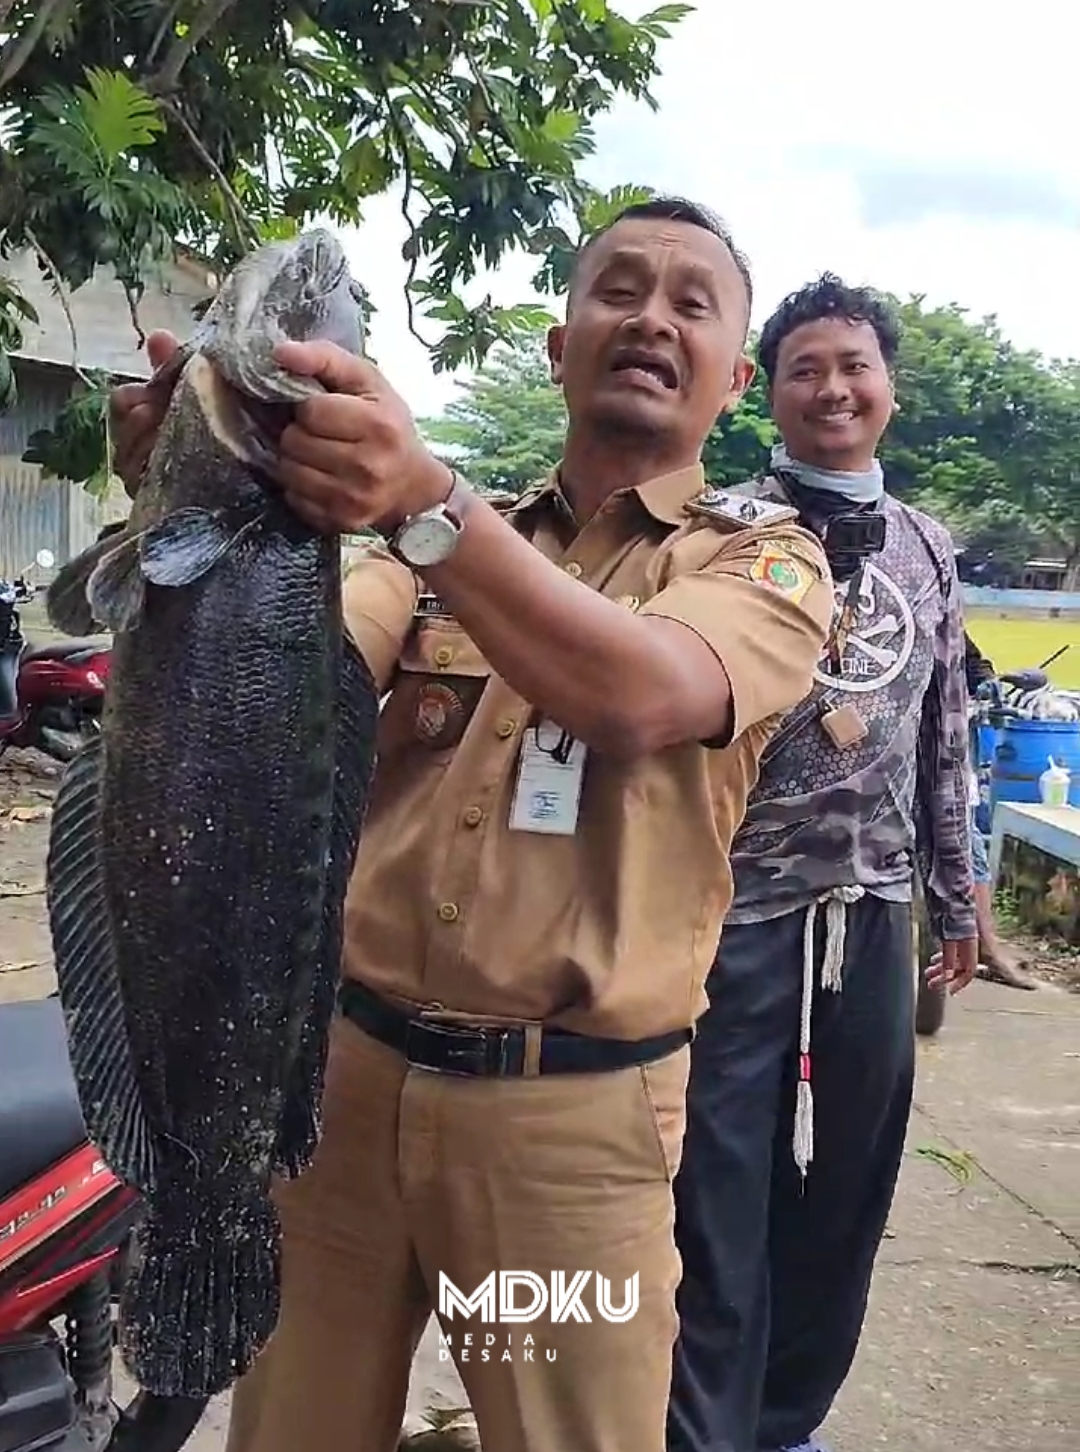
(419, 1173)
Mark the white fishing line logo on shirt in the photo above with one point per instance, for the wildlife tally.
(879, 645)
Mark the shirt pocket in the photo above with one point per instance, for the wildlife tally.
(440, 680)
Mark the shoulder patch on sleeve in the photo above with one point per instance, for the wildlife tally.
(781, 568)
(729, 512)
(804, 547)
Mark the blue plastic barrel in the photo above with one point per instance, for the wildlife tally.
(983, 737)
(1022, 755)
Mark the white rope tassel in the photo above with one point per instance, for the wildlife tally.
(836, 903)
(803, 1142)
(832, 963)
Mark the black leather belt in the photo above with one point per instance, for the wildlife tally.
(452, 1048)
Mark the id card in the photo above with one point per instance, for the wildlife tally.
(551, 771)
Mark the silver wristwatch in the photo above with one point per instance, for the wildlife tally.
(429, 538)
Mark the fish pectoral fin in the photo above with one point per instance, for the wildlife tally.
(67, 600)
(186, 544)
(87, 977)
(116, 589)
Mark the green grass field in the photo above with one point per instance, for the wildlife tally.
(1020, 642)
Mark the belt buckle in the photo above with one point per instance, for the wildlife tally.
(454, 1049)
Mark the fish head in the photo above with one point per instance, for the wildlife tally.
(298, 290)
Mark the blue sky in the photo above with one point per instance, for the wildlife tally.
(932, 149)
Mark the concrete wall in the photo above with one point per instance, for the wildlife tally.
(56, 515)
(35, 513)
(106, 336)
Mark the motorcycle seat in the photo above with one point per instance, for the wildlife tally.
(40, 1117)
(64, 649)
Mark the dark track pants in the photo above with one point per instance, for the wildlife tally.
(776, 1275)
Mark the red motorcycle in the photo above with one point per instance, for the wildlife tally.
(65, 1234)
(51, 695)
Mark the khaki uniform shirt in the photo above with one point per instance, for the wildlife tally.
(610, 931)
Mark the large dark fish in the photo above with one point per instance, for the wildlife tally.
(201, 849)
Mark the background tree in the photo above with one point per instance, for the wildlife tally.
(132, 124)
(738, 447)
(987, 437)
(505, 429)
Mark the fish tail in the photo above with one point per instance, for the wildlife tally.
(203, 1296)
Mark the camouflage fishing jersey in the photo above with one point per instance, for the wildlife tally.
(822, 816)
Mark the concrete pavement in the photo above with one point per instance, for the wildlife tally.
(973, 1338)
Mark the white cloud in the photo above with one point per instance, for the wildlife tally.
(775, 114)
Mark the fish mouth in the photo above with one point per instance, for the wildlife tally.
(299, 291)
(644, 365)
(277, 278)
(321, 255)
(286, 291)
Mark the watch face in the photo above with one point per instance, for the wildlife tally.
(427, 541)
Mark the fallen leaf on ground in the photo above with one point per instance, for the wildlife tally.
(19, 967)
(958, 1163)
(21, 889)
(29, 814)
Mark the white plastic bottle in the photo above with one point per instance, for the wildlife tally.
(1054, 785)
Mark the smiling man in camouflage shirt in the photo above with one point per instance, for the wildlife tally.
(802, 1070)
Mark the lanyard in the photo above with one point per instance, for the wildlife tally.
(842, 628)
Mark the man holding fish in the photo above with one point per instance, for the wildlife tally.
(580, 689)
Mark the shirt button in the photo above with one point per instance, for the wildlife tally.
(448, 912)
(505, 729)
(474, 816)
(573, 569)
(444, 655)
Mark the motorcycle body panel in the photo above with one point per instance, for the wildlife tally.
(51, 696)
(65, 1229)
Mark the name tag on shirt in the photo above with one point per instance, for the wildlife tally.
(429, 607)
(551, 770)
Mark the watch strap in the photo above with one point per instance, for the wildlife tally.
(457, 487)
